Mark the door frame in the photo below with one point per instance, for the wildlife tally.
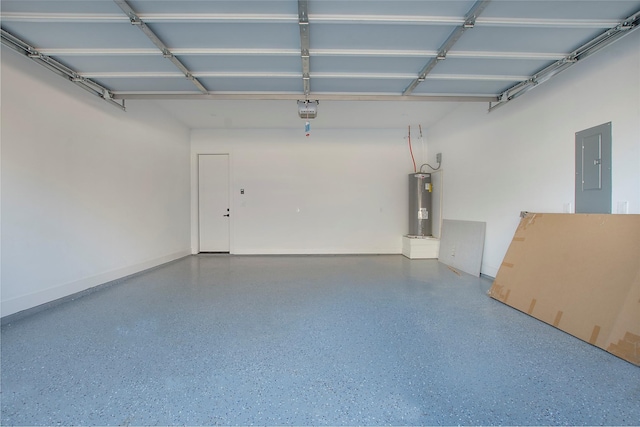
(195, 202)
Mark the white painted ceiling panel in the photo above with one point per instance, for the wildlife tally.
(242, 64)
(78, 35)
(253, 84)
(264, 7)
(378, 65)
(489, 67)
(526, 39)
(383, 36)
(560, 9)
(463, 87)
(455, 8)
(148, 84)
(223, 35)
(360, 85)
(64, 6)
(114, 64)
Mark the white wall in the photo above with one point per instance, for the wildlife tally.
(521, 156)
(338, 191)
(89, 193)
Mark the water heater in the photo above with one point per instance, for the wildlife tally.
(420, 204)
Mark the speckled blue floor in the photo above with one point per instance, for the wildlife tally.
(308, 340)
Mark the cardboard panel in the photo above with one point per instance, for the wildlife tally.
(579, 273)
(462, 245)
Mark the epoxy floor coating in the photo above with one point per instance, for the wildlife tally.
(305, 340)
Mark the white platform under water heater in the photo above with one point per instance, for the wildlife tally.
(420, 247)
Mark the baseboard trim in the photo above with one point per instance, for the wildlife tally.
(27, 305)
(286, 252)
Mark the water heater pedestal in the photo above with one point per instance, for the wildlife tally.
(420, 247)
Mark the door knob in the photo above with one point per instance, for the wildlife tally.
(226, 215)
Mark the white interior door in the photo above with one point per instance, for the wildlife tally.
(213, 202)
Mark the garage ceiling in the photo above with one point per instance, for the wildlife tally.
(315, 49)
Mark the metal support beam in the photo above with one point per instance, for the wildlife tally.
(469, 22)
(295, 97)
(135, 20)
(388, 53)
(624, 28)
(515, 22)
(303, 22)
(62, 70)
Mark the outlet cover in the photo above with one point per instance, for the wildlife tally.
(623, 207)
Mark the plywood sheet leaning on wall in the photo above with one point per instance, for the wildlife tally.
(579, 273)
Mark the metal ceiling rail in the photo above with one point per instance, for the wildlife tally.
(51, 64)
(199, 74)
(150, 17)
(236, 18)
(469, 22)
(177, 51)
(622, 29)
(505, 55)
(296, 52)
(314, 18)
(385, 19)
(135, 20)
(454, 20)
(303, 23)
(99, 52)
(296, 96)
(286, 74)
(545, 23)
(428, 53)
(62, 17)
(405, 76)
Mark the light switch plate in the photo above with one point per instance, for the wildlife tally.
(623, 207)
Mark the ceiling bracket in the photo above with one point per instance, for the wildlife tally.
(608, 37)
(303, 23)
(469, 22)
(166, 52)
(62, 70)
